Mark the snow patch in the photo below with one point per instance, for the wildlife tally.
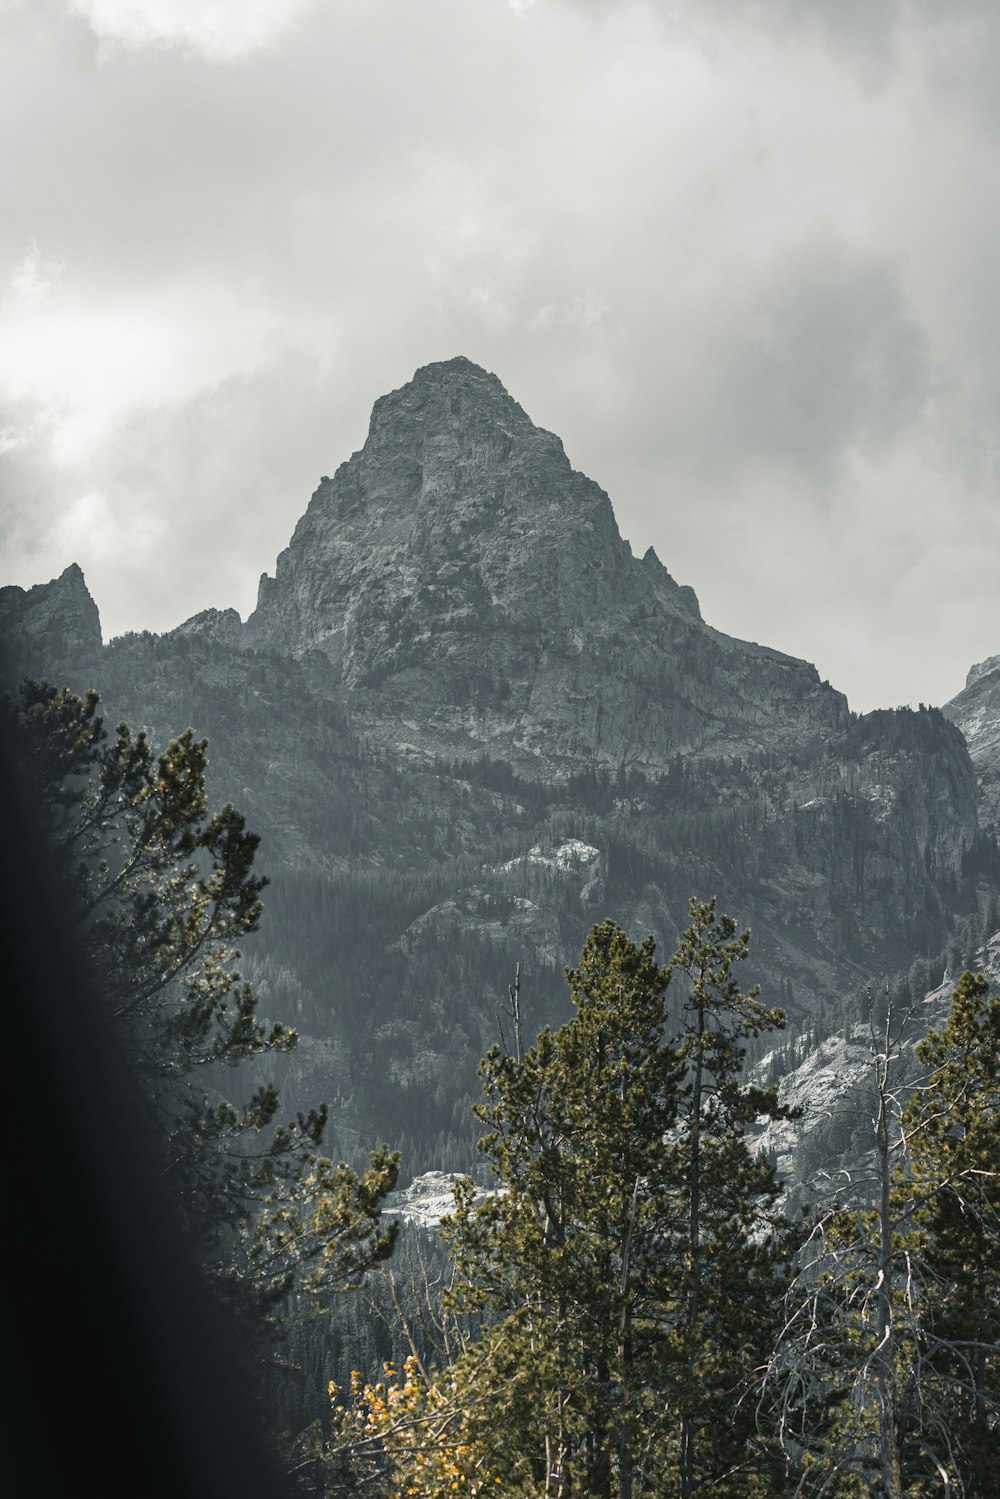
(427, 1199)
(882, 800)
(571, 857)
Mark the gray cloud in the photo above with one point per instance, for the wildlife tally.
(837, 362)
(865, 32)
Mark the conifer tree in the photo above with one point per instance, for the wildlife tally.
(566, 1256)
(952, 1190)
(731, 1236)
(629, 1258)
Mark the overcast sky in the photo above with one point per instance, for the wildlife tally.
(743, 257)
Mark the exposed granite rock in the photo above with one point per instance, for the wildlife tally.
(976, 711)
(982, 669)
(879, 827)
(53, 624)
(427, 1199)
(222, 625)
(829, 1081)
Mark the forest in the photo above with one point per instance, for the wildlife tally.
(625, 1298)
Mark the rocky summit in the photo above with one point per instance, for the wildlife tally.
(467, 583)
(53, 624)
(468, 723)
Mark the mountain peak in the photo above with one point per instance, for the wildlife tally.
(450, 395)
(472, 592)
(50, 621)
(459, 373)
(982, 669)
(459, 365)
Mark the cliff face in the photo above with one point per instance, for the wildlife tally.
(463, 579)
(52, 625)
(469, 723)
(976, 711)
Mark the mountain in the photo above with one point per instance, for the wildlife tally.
(468, 723)
(457, 572)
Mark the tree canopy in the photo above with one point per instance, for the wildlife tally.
(612, 1357)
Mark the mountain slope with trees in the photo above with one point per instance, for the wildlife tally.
(460, 670)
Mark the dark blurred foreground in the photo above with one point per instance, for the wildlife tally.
(123, 1376)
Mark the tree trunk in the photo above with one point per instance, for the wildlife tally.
(694, 1251)
(885, 1361)
(625, 1352)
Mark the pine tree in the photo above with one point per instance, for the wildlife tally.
(629, 1258)
(566, 1256)
(952, 1191)
(733, 1237)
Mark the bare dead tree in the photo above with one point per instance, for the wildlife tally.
(856, 1378)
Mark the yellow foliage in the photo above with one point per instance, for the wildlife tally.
(411, 1428)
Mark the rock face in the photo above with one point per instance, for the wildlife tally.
(468, 723)
(976, 711)
(832, 1082)
(222, 625)
(427, 1199)
(52, 624)
(462, 578)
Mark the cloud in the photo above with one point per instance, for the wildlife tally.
(156, 501)
(864, 31)
(960, 57)
(221, 31)
(87, 361)
(33, 278)
(88, 525)
(833, 361)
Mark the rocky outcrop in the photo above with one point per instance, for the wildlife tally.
(221, 625)
(868, 841)
(982, 669)
(976, 711)
(832, 1082)
(51, 625)
(427, 1199)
